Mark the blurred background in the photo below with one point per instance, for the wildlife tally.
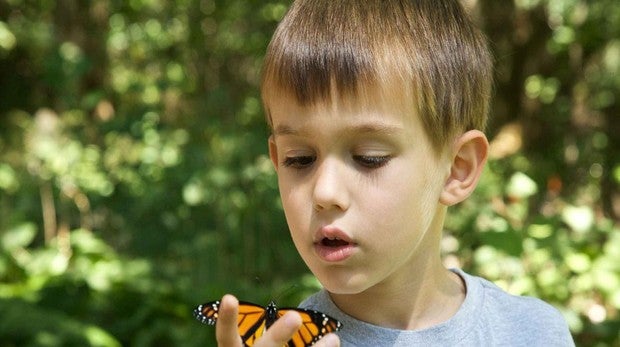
(135, 182)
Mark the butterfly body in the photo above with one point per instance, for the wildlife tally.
(254, 319)
(271, 314)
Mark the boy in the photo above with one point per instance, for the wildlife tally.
(376, 108)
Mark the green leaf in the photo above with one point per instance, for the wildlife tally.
(26, 324)
(579, 219)
(578, 262)
(19, 236)
(521, 186)
(507, 241)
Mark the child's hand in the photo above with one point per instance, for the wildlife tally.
(277, 335)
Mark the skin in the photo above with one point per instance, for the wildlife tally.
(367, 169)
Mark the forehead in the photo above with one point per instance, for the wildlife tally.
(376, 113)
(367, 100)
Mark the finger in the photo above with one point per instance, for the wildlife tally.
(329, 340)
(226, 332)
(281, 331)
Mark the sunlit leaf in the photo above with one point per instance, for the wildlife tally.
(617, 173)
(579, 218)
(7, 39)
(19, 236)
(578, 262)
(193, 193)
(521, 186)
(540, 231)
(8, 178)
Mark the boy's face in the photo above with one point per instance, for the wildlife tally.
(360, 187)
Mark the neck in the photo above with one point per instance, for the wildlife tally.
(428, 295)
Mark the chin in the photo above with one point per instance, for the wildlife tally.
(342, 285)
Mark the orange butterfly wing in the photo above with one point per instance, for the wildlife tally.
(250, 321)
(253, 319)
(314, 326)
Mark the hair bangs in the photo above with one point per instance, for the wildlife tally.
(314, 73)
(315, 65)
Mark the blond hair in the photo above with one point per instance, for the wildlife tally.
(427, 49)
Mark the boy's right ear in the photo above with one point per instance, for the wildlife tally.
(273, 152)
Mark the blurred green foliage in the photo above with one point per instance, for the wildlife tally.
(135, 182)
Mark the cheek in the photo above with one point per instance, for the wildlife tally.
(406, 200)
(295, 204)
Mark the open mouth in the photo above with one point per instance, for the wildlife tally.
(333, 245)
(334, 249)
(333, 242)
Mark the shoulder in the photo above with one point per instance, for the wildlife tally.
(319, 301)
(516, 307)
(520, 317)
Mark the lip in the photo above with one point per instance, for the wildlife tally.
(333, 245)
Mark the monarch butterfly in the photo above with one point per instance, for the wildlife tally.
(254, 319)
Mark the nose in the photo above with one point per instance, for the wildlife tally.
(331, 184)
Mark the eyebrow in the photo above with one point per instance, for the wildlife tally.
(364, 128)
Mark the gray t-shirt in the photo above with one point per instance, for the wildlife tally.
(488, 317)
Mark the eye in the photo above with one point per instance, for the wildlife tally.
(371, 161)
(299, 162)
